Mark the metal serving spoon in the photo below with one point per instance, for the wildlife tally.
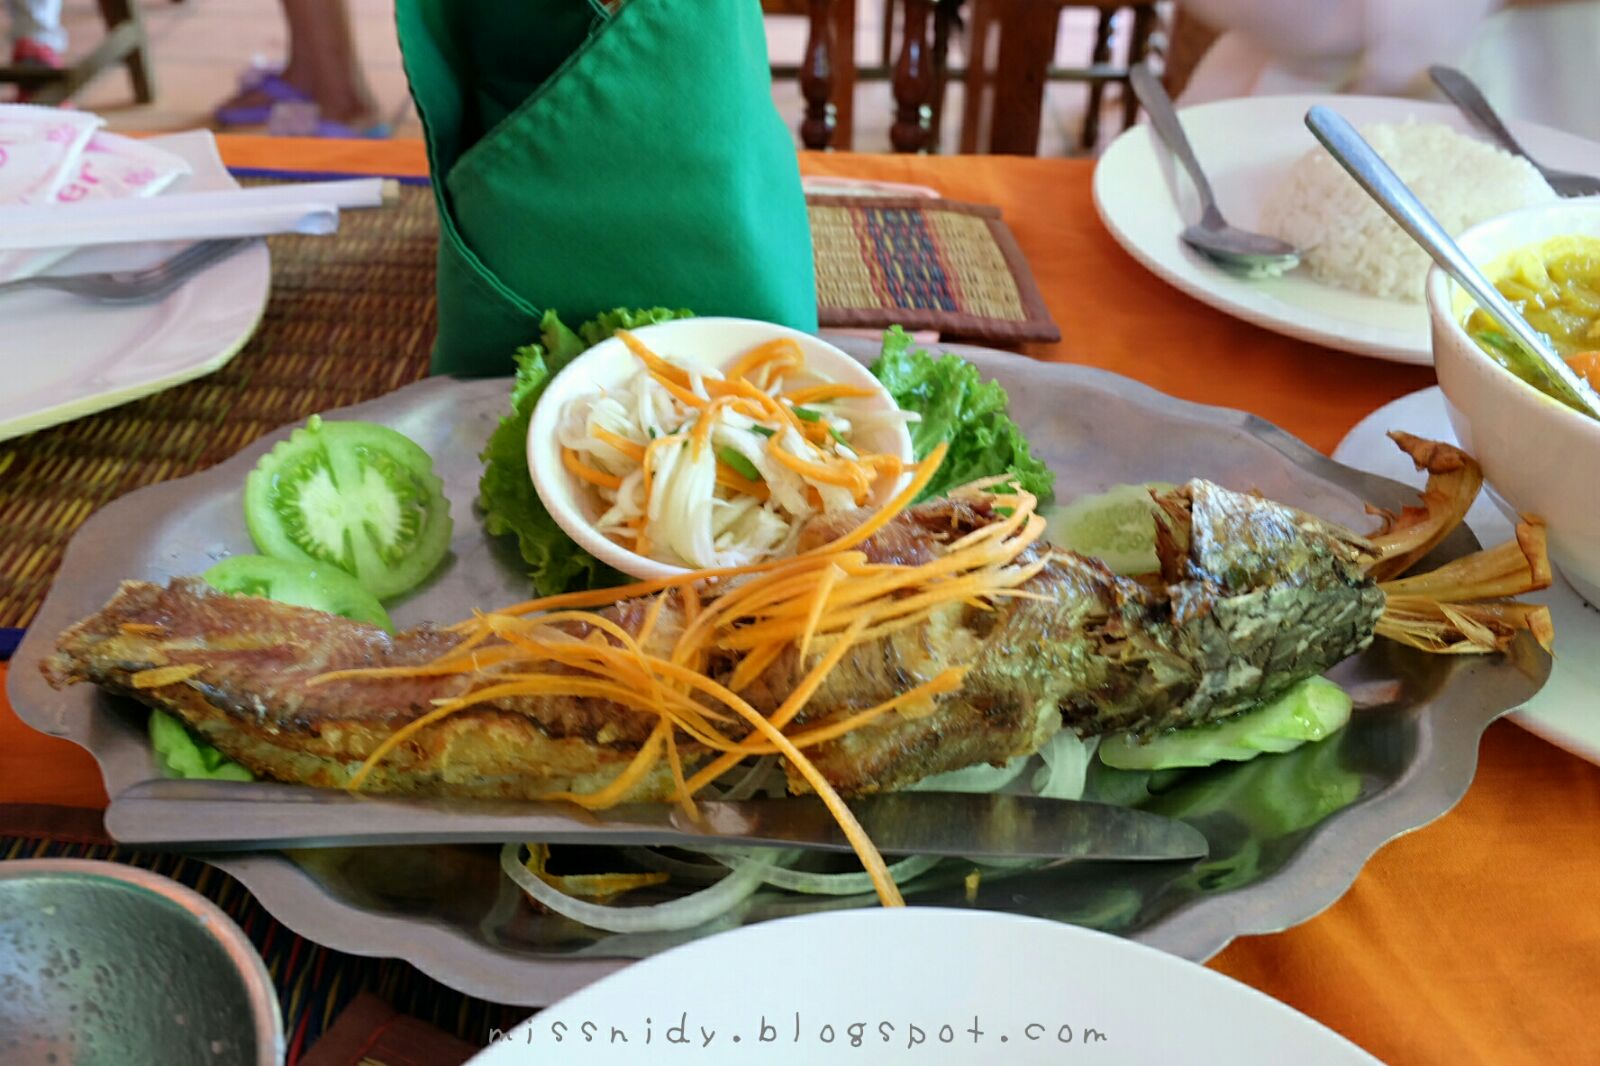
(1235, 249)
(1465, 95)
(1394, 196)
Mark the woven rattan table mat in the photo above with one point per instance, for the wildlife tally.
(350, 318)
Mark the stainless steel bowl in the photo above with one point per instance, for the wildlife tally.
(106, 963)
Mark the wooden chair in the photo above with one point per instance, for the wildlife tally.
(1021, 37)
(827, 73)
(125, 42)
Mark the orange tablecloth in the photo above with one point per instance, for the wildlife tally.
(1475, 940)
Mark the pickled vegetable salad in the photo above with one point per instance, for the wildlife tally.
(701, 467)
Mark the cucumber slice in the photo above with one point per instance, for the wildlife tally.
(1311, 710)
(316, 585)
(1118, 527)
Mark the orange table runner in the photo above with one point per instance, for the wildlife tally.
(1475, 940)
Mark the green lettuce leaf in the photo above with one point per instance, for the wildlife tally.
(506, 495)
(960, 408)
(181, 755)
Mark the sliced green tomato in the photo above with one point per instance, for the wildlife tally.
(315, 585)
(359, 496)
(1118, 527)
(1311, 710)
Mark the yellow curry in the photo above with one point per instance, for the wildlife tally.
(1556, 287)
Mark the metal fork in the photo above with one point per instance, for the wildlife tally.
(1465, 95)
(135, 286)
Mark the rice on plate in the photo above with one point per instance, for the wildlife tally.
(1346, 238)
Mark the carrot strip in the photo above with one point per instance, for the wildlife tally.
(830, 577)
(780, 348)
(847, 477)
(824, 393)
(632, 449)
(579, 469)
(680, 393)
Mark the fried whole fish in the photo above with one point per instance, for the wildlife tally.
(1253, 597)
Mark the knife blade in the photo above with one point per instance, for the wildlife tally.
(225, 815)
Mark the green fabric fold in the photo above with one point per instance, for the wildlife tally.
(583, 162)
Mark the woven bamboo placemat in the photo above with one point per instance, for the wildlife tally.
(348, 320)
(925, 264)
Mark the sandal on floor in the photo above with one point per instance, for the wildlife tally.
(269, 84)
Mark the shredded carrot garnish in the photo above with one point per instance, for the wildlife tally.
(556, 647)
(579, 469)
(681, 393)
(830, 577)
(782, 350)
(824, 393)
(849, 476)
(141, 627)
(632, 449)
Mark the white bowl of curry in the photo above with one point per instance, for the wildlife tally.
(1540, 456)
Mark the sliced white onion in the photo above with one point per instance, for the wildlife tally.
(686, 491)
(818, 884)
(753, 780)
(686, 912)
(1066, 765)
(695, 872)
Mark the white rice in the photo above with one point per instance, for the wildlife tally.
(1349, 241)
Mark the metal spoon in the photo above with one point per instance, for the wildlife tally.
(1465, 95)
(1237, 250)
(1395, 197)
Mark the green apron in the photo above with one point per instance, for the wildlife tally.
(584, 161)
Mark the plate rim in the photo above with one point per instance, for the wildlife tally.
(1057, 940)
(1320, 870)
(1221, 297)
(82, 406)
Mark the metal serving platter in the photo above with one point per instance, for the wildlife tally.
(1288, 833)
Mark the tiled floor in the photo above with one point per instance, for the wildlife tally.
(200, 47)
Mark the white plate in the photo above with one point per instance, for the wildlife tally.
(67, 357)
(1246, 146)
(1563, 711)
(919, 986)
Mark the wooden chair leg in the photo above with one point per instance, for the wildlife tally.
(844, 74)
(979, 22)
(1090, 133)
(913, 82)
(816, 78)
(945, 13)
(1027, 45)
(886, 46)
(126, 37)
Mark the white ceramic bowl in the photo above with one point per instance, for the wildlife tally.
(710, 342)
(1540, 456)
